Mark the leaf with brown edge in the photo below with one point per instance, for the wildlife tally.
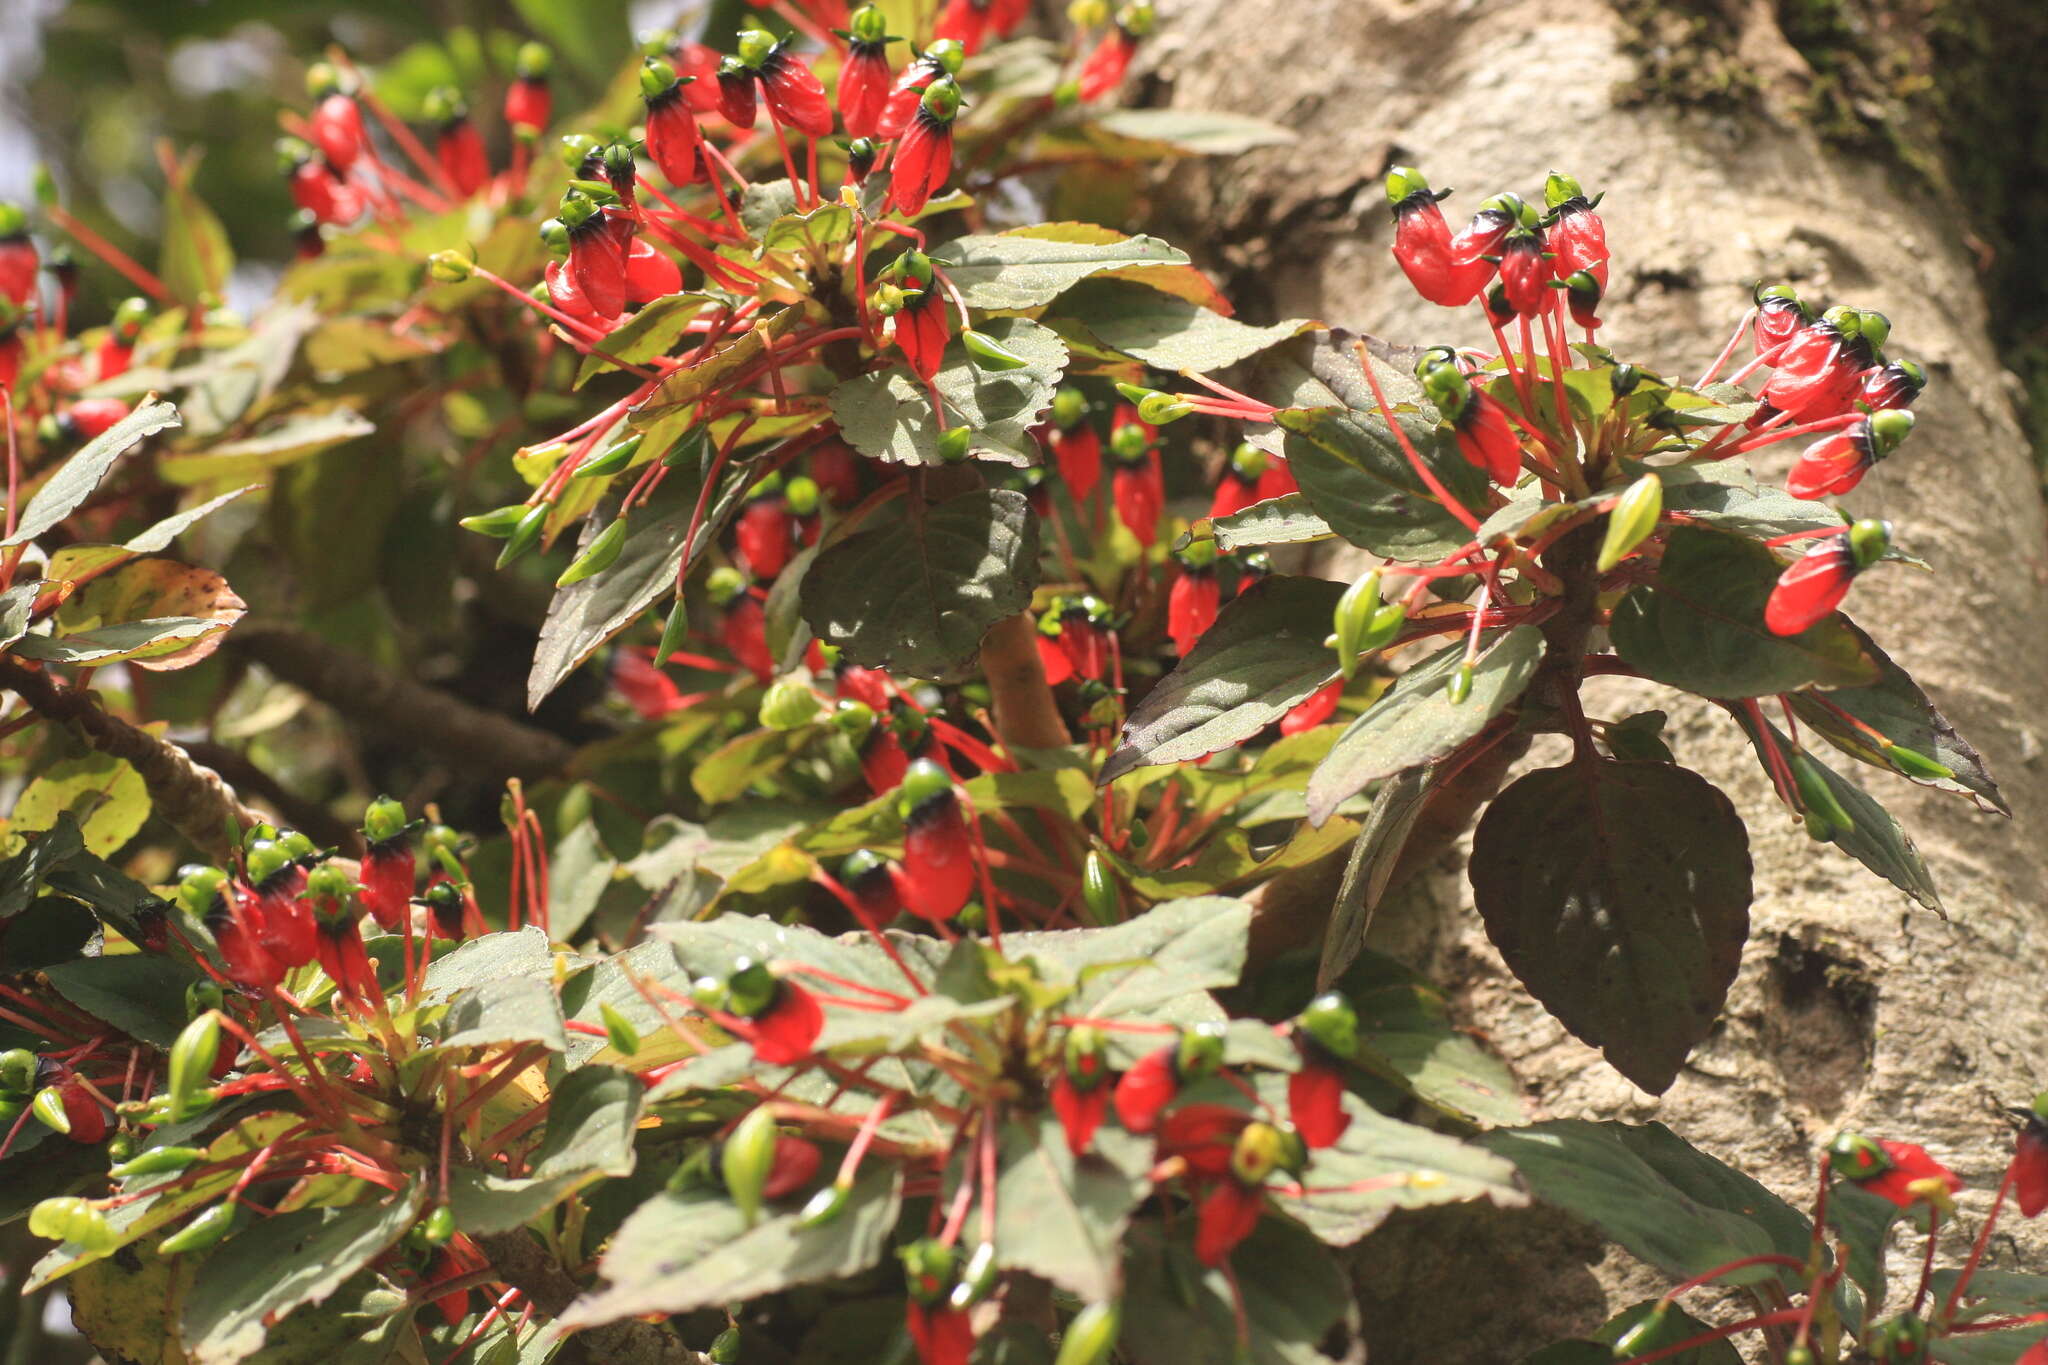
(1619, 894)
(146, 589)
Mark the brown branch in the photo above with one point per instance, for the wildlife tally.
(1027, 716)
(527, 1267)
(192, 798)
(398, 708)
(310, 818)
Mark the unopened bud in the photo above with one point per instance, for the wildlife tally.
(1634, 517)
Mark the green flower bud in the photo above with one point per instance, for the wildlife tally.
(191, 1065)
(789, 705)
(438, 1226)
(1332, 1022)
(296, 845)
(1200, 1052)
(990, 354)
(929, 1266)
(1129, 442)
(1459, 686)
(803, 495)
(954, 444)
(1069, 405)
(1086, 14)
(1404, 183)
(599, 555)
(207, 1229)
(1634, 517)
(854, 719)
(1137, 18)
(1353, 619)
(1559, 188)
(925, 781)
(331, 882)
(657, 78)
(1643, 1336)
(1869, 540)
(942, 99)
(449, 267)
(1161, 408)
(266, 860)
(825, 1206)
(1092, 1335)
(17, 1071)
(610, 460)
(1248, 462)
(68, 1218)
(750, 988)
(1099, 891)
(673, 632)
(747, 1158)
(1914, 764)
(533, 61)
(130, 314)
(577, 148)
(49, 1107)
(1887, 429)
(618, 1030)
(202, 996)
(1844, 319)
(1817, 796)
(1083, 1056)
(726, 1347)
(1258, 1151)
(754, 47)
(1873, 327)
(525, 533)
(157, 1161)
(977, 1278)
(1857, 1157)
(725, 585)
(948, 55)
(1622, 380)
(868, 25)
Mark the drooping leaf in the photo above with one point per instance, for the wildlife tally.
(1264, 655)
(145, 589)
(1619, 894)
(585, 615)
(1662, 1199)
(1417, 720)
(916, 588)
(1165, 331)
(275, 1264)
(1287, 520)
(1898, 709)
(679, 1252)
(155, 637)
(1700, 626)
(887, 414)
(292, 440)
(1031, 266)
(1374, 855)
(1294, 1296)
(76, 479)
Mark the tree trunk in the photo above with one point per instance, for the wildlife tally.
(1853, 1009)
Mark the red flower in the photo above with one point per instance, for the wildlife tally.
(1779, 316)
(248, 964)
(1058, 667)
(794, 94)
(1312, 710)
(114, 357)
(1191, 607)
(596, 268)
(1838, 461)
(745, 632)
(2030, 1167)
(673, 140)
(1487, 439)
(836, 470)
(1578, 241)
(1080, 1111)
(649, 273)
(460, 150)
(922, 326)
(2037, 1354)
(1277, 481)
(528, 103)
(872, 884)
(1078, 453)
(1083, 640)
(1809, 591)
(1891, 386)
(1146, 1089)
(1203, 1136)
(453, 1307)
(1485, 234)
(697, 66)
(864, 88)
(18, 265)
(763, 535)
(1525, 273)
(347, 963)
(322, 193)
(1234, 491)
(90, 417)
(1106, 65)
(11, 352)
(938, 859)
(1224, 1216)
(1912, 1177)
(736, 94)
(87, 1119)
(786, 1031)
(882, 760)
(1139, 490)
(387, 873)
(1422, 244)
(869, 686)
(924, 154)
(904, 97)
(964, 22)
(1817, 373)
(796, 1161)
(1315, 1101)
(944, 1336)
(337, 130)
(280, 920)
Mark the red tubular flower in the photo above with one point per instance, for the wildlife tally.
(284, 923)
(1779, 315)
(1808, 592)
(453, 1307)
(1891, 386)
(248, 964)
(697, 65)
(387, 873)
(864, 88)
(1312, 710)
(347, 963)
(1146, 1089)
(325, 195)
(1487, 232)
(1525, 273)
(597, 267)
(1315, 1101)
(938, 857)
(763, 535)
(650, 274)
(1237, 490)
(922, 327)
(1578, 241)
(2037, 1354)
(736, 94)
(1225, 1215)
(964, 22)
(1203, 1136)
(796, 1161)
(1277, 481)
(1422, 243)
(650, 692)
(1913, 1176)
(564, 295)
(1078, 453)
(1838, 461)
(943, 1335)
(869, 686)
(1106, 66)
(1083, 636)
(872, 884)
(882, 760)
(18, 261)
(1817, 373)
(2030, 1166)
(11, 352)
(87, 1119)
(337, 130)
(924, 154)
(460, 150)
(745, 632)
(836, 470)
(794, 94)
(1139, 489)
(1191, 607)
(1058, 667)
(1487, 439)
(786, 1031)
(90, 417)
(674, 142)
(528, 103)
(115, 355)
(1080, 1111)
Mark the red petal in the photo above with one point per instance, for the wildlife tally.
(1191, 608)
(2030, 1170)
(796, 97)
(1058, 667)
(1080, 1111)
(1809, 591)
(938, 863)
(1079, 453)
(1203, 1135)
(1145, 1090)
(787, 1030)
(1225, 1217)
(796, 1161)
(1312, 711)
(1315, 1102)
(745, 632)
(863, 91)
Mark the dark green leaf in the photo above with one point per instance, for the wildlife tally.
(1031, 266)
(1416, 721)
(1619, 894)
(1673, 1326)
(1061, 1218)
(887, 414)
(142, 995)
(1665, 1201)
(591, 1117)
(1395, 807)
(1862, 1222)
(21, 874)
(1406, 1036)
(680, 1252)
(583, 616)
(1700, 626)
(75, 481)
(647, 334)
(55, 929)
(1264, 655)
(919, 585)
(1359, 479)
(1294, 1298)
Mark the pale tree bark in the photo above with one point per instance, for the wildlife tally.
(1853, 1008)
